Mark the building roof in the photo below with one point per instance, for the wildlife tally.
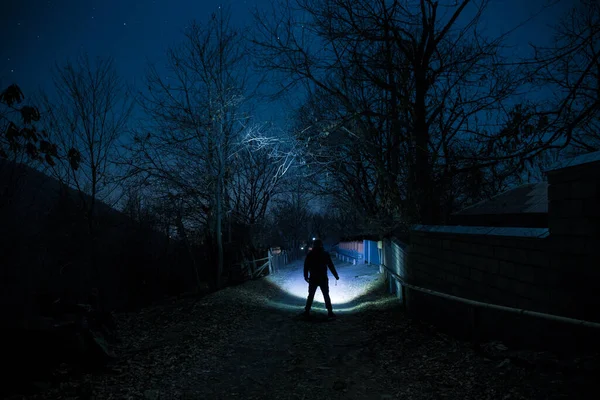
(485, 230)
(529, 198)
(578, 160)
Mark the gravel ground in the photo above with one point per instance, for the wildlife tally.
(247, 342)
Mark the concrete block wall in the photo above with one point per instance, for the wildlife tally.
(553, 271)
(513, 271)
(574, 223)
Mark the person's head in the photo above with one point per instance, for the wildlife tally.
(318, 244)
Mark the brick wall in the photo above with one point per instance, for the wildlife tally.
(553, 271)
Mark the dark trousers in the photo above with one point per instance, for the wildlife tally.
(312, 288)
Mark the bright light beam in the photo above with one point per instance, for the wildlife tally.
(355, 282)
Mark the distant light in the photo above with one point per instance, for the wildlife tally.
(301, 248)
(314, 238)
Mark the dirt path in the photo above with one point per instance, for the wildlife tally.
(246, 342)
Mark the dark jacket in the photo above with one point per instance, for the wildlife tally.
(316, 263)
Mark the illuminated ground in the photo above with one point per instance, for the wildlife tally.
(354, 291)
(245, 342)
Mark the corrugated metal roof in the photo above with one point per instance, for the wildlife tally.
(529, 198)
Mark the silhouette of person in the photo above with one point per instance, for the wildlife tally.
(315, 273)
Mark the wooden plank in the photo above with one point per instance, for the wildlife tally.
(261, 269)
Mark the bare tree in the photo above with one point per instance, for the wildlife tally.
(320, 225)
(86, 115)
(570, 70)
(89, 111)
(291, 214)
(257, 178)
(407, 94)
(196, 110)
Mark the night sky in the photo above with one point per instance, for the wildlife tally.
(37, 34)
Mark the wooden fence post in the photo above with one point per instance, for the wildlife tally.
(270, 261)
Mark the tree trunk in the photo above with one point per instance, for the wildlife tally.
(188, 245)
(229, 227)
(422, 165)
(95, 278)
(221, 166)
